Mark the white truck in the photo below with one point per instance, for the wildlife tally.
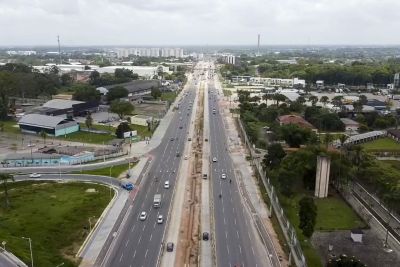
(157, 201)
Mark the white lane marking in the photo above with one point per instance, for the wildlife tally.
(235, 221)
(133, 228)
(224, 221)
(237, 233)
(227, 248)
(120, 258)
(151, 236)
(127, 242)
(226, 234)
(144, 226)
(240, 248)
(134, 254)
(140, 238)
(145, 255)
(252, 250)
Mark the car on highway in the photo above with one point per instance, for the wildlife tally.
(223, 176)
(172, 139)
(206, 236)
(189, 139)
(186, 157)
(166, 184)
(34, 175)
(170, 246)
(143, 216)
(160, 219)
(180, 127)
(178, 155)
(214, 159)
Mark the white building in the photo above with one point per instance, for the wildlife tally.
(229, 59)
(149, 52)
(278, 81)
(21, 53)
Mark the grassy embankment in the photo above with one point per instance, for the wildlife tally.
(54, 215)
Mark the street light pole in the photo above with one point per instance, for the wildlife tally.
(110, 178)
(30, 247)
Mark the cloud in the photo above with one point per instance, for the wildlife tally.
(157, 22)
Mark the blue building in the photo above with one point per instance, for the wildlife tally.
(52, 125)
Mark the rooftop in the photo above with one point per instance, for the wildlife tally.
(61, 103)
(39, 120)
(348, 121)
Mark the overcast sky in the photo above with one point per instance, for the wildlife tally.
(199, 22)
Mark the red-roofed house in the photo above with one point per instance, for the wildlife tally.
(296, 120)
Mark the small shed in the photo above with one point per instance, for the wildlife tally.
(356, 235)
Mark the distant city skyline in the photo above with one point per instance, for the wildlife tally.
(193, 22)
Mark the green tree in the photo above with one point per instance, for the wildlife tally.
(89, 121)
(313, 100)
(155, 92)
(86, 93)
(345, 261)
(43, 134)
(279, 98)
(121, 129)
(117, 92)
(324, 99)
(294, 135)
(66, 79)
(307, 215)
(274, 156)
(4, 178)
(121, 108)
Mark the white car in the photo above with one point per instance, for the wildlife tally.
(186, 157)
(223, 176)
(166, 184)
(160, 219)
(143, 216)
(34, 175)
(214, 159)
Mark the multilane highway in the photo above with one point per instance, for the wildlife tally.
(236, 241)
(140, 243)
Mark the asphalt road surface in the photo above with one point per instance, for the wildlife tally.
(140, 243)
(236, 243)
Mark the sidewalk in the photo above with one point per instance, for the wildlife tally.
(7, 259)
(242, 166)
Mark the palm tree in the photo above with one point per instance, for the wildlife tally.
(267, 97)
(43, 134)
(324, 99)
(337, 101)
(89, 121)
(313, 100)
(328, 138)
(4, 177)
(279, 98)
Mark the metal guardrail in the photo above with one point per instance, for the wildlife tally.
(288, 230)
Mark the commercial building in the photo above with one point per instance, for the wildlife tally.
(66, 108)
(30, 159)
(52, 125)
(137, 87)
(278, 82)
(142, 120)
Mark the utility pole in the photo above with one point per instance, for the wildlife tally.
(59, 49)
(30, 247)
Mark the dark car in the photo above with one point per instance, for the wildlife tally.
(178, 155)
(206, 236)
(170, 246)
(172, 139)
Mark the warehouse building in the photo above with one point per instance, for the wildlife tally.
(52, 125)
(67, 108)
